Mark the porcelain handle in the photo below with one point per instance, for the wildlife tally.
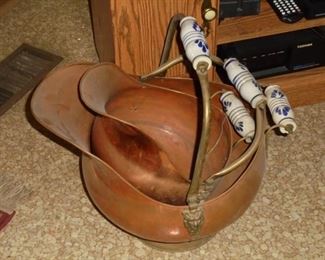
(239, 116)
(244, 81)
(194, 42)
(281, 111)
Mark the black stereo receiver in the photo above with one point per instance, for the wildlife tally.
(232, 8)
(278, 54)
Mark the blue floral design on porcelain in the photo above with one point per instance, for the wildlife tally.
(277, 94)
(242, 66)
(256, 84)
(240, 126)
(197, 27)
(227, 105)
(282, 110)
(201, 44)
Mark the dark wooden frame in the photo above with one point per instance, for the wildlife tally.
(102, 29)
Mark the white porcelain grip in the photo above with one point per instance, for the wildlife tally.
(281, 111)
(239, 116)
(244, 81)
(194, 42)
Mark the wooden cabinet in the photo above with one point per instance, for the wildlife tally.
(131, 33)
(140, 27)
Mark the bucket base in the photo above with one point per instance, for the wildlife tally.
(177, 247)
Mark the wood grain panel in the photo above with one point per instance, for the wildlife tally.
(140, 28)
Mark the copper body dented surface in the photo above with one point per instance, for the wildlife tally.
(154, 149)
(137, 142)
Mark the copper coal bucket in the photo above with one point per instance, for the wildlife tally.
(160, 158)
(137, 141)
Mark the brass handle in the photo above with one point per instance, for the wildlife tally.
(172, 28)
(202, 72)
(260, 110)
(194, 214)
(161, 70)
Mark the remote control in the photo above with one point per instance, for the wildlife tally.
(287, 10)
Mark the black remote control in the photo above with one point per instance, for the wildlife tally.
(287, 10)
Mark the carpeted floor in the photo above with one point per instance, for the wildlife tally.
(286, 220)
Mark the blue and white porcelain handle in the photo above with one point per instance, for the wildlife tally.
(194, 42)
(281, 111)
(239, 116)
(244, 81)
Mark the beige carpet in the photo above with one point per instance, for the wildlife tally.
(286, 220)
